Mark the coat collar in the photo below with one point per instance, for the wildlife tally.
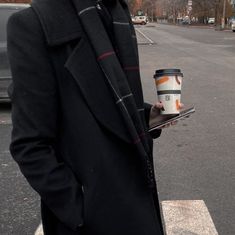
(61, 24)
(59, 20)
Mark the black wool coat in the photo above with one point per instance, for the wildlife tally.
(68, 137)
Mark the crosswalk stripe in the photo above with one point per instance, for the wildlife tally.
(5, 122)
(185, 217)
(39, 230)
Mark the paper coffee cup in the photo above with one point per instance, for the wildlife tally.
(168, 83)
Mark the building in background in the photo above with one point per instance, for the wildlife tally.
(15, 1)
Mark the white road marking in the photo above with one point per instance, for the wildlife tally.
(146, 37)
(185, 217)
(5, 122)
(39, 230)
(5, 118)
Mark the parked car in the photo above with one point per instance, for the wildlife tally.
(6, 10)
(184, 21)
(233, 25)
(140, 20)
(211, 20)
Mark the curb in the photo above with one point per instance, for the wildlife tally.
(39, 230)
(184, 217)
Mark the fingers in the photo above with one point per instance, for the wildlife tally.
(155, 112)
(181, 105)
(158, 105)
(166, 126)
(174, 123)
(170, 124)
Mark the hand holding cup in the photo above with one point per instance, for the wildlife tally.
(155, 113)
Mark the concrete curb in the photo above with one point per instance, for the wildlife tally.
(39, 230)
(187, 217)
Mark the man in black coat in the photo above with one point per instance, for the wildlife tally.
(79, 122)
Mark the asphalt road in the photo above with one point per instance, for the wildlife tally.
(19, 205)
(194, 159)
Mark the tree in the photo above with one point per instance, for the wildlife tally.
(149, 8)
(134, 5)
(201, 9)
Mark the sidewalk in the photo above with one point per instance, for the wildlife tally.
(201, 26)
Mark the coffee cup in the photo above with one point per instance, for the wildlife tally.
(168, 84)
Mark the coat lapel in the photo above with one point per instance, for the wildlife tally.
(61, 25)
(112, 58)
(83, 67)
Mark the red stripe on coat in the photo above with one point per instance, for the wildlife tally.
(106, 54)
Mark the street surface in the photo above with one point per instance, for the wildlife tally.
(194, 160)
(19, 205)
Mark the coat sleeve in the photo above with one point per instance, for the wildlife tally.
(35, 119)
(147, 108)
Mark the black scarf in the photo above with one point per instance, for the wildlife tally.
(117, 55)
